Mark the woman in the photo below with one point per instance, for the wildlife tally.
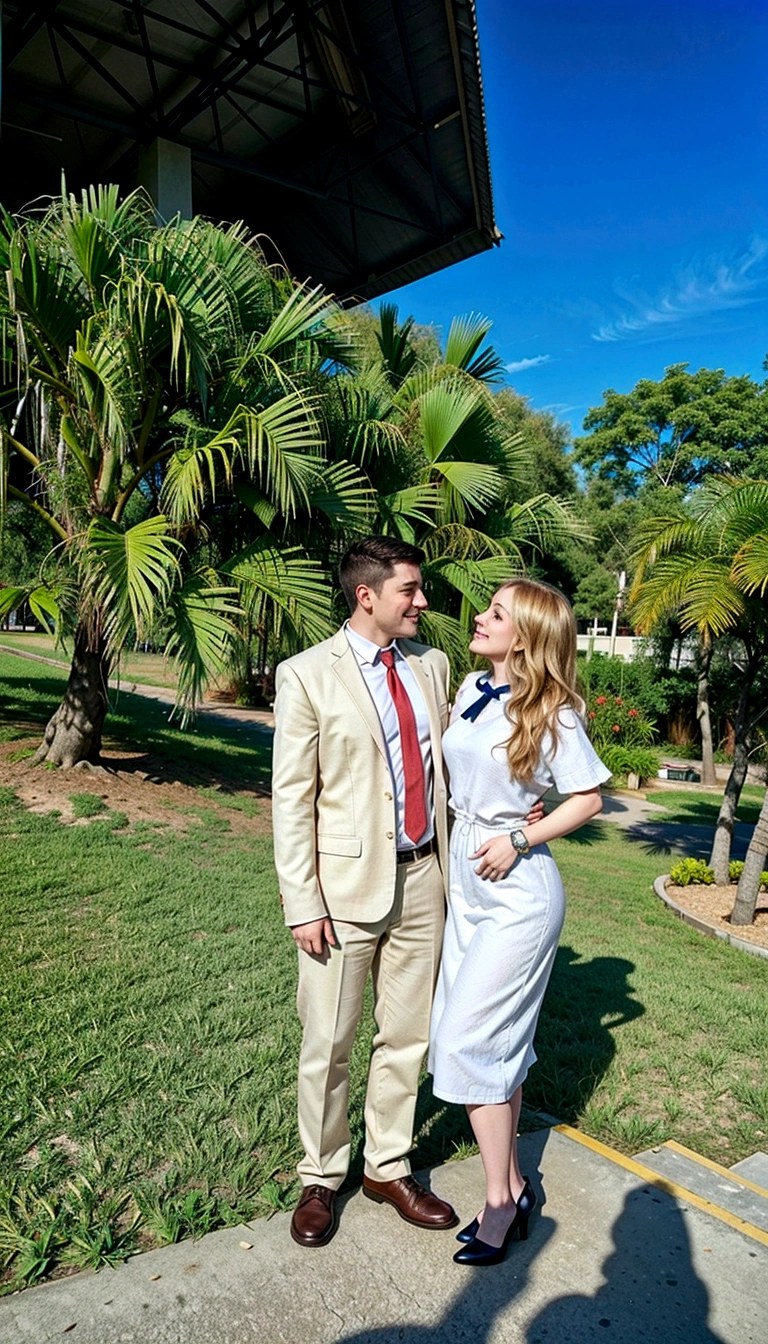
(510, 738)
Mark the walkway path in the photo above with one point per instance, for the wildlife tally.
(611, 1257)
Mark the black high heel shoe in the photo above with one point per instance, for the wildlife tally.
(525, 1206)
(477, 1252)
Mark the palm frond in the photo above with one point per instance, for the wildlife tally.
(344, 494)
(204, 635)
(394, 339)
(750, 565)
(128, 573)
(465, 337)
(285, 580)
(280, 447)
(300, 315)
(192, 473)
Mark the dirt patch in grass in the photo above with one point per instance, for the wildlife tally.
(141, 786)
(713, 905)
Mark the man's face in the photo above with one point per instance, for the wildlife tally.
(395, 610)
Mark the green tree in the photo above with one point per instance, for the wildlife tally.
(708, 562)
(678, 430)
(145, 369)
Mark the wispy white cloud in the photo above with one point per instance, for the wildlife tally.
(518, 365)
(714, 284)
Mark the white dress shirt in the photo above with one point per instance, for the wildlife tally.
(374, 672)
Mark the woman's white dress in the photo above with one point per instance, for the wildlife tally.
(501, 937)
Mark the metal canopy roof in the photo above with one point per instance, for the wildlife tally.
(350, 132)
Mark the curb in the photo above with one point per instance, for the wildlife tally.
(740, 944)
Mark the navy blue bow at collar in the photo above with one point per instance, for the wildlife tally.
(487, 694)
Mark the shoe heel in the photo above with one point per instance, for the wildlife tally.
(371, 1194)
(522, 1228)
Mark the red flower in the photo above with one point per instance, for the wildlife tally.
(616, 728)
(632, 713)
(619, 700)
(591, 714)
(600, 700)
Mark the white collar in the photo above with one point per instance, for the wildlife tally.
(365, 649)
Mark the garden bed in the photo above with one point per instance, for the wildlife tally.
(711, 906)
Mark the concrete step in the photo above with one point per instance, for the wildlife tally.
(727, 1189)
(755, 1168)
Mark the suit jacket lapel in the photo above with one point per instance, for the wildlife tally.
(346, 668)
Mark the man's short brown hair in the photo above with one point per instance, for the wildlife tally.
(372, 561)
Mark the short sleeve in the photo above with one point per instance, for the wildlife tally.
(575, 766)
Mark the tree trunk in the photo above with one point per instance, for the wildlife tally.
(749, 882)
(721, 846)
(708, 775)
(73, 734)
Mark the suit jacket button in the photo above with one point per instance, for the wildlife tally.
(390, 835)
(388, 797)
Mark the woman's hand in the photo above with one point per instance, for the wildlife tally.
(496, 858)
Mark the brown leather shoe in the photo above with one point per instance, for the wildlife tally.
(314, 1218)
(412, 1201)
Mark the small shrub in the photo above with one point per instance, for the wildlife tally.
(688, 871)
(622, 760)
(736, 868)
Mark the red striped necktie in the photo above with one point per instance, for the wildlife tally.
(415, 818)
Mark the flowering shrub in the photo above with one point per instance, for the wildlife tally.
(610, 721)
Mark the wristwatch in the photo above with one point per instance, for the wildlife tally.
(519, 842)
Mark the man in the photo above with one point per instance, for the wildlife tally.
(357, 762)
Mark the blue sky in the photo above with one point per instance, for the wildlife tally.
(628, 159)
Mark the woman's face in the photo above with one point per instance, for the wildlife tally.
(495, 631)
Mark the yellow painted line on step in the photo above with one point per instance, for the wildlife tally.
(663, 1183)
(732, 1176)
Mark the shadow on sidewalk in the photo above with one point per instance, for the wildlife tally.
(651, 1289)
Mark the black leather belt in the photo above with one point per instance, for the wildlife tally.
(411, 855)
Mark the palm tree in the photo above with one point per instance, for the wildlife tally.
(708, 563)
(443, 468)
(145, 369)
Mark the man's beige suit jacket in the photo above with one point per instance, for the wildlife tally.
(332, 794)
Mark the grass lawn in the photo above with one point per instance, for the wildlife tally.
(145, 669)
(148, 1038)
(701, 809)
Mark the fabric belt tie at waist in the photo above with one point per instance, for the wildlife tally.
(500, 828)
(420, 852)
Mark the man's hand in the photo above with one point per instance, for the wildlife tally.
(314, 936)
(536, 814)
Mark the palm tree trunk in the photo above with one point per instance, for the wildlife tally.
(73, 734)
(749, 882)
(721, 845)
(708, 775)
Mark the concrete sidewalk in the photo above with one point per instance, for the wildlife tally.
(611, 1257)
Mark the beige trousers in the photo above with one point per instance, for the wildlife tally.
(402, 952)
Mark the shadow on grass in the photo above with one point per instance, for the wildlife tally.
(585, 1003)
(591, 833)
(229, 756)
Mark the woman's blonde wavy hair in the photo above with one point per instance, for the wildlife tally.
(540, 668)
